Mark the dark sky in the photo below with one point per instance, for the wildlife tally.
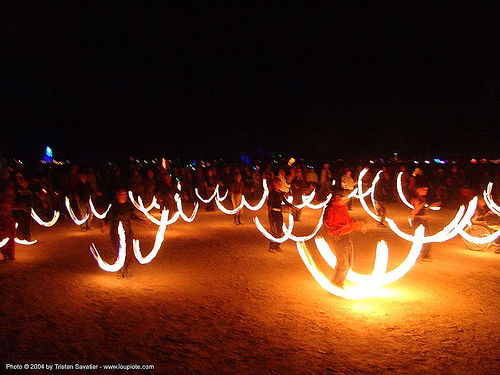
(343, 80)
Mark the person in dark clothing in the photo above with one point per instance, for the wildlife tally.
(22, 207)
(83, 190)
(121, 211)
(381, 196)
(7, 223)
(297, 188)
(419, 201)
(275, 212)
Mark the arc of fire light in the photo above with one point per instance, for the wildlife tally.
(23, 242)
(45, 223)
(120, 259)
(209, 199)
(489, 200)
(72, 214)
(365, 285)
(244, 202)
(94, 211)
(399, 188)
(286, 231)
(361, 195)
(4, 241)
(139, 205)
(160, 235)
(459, 222)
(186, 218)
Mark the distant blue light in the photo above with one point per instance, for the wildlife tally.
(48, 155)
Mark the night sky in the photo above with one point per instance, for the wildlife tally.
(321, 82)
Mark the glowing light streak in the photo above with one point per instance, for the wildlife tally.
(45, 223)
(365, 285)
(489, 200)
(259, 205)
(320, 205)
(140, 205)
(4, 241)
(455, 226)
(186, 218)
(97, 214)
(315, 231)
(160, 234)
(227, 211)
(72, 214)
(480, 240)
(306, 199)
(24, 242)
(219, 198)
(120, 260)
(399, 188)
(362, 196)
(209, 199)
(372, 189)
(354, 292)
(286, 231)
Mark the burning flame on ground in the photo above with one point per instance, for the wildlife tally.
(365, 285)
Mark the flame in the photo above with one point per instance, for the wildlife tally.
(365, 285)
(186, 218)
(286, 231)
(209, 199)
(140, 205)
(45, 223)
(97, 214)
(489, 200)
(4, 241)
(455, 226)
(362, 195)
(72, 214)
(120, 260)
(315, 231)
(160, 234)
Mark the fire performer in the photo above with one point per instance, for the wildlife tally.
(123, 211)
(275, 213)
(339, 225)
(419, 201)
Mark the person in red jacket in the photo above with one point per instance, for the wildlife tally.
(339, 225)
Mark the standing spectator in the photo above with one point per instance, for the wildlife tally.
(236, 194)
(135, 182)
(339, 225)
(7, 223)
(325, 181)
(312, 178)
(348, 184)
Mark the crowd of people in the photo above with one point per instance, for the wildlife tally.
(45, 186)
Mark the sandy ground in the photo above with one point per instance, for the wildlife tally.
(216, 301)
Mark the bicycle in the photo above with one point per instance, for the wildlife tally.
(479, 229)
